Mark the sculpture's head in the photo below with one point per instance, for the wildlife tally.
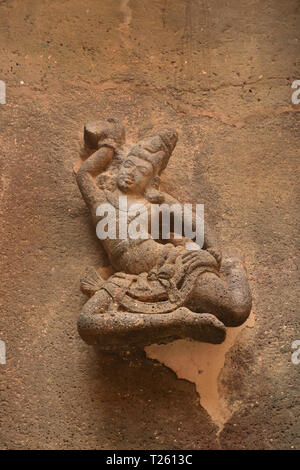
(135, 174)
(146, 161)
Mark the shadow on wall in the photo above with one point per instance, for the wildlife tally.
(135, 400)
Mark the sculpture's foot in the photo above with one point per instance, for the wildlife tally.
(120, 330)
(203, 327)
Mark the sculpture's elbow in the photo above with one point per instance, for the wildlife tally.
(80, 175)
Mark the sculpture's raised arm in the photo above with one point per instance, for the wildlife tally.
(104, 137)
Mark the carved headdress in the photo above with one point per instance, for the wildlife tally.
(157, 149)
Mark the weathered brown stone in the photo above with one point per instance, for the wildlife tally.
(162, 289)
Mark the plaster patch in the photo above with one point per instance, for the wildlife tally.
(201, 364)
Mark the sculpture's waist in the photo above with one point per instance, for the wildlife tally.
(117, 247)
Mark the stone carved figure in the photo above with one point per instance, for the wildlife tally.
(160, 290)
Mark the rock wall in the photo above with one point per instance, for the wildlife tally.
(221, 74)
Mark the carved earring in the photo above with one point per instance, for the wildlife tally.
(152, 193)
(155, 182)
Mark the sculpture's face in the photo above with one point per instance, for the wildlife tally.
(134, 174)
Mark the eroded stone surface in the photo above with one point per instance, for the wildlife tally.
(163, 288)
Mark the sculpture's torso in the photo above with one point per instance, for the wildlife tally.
(129, 255)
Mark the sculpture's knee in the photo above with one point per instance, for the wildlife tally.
(236, 315)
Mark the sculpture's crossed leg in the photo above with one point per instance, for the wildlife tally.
(228, 297)
(228, 300)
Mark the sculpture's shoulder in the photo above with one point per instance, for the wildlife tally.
(168, 199)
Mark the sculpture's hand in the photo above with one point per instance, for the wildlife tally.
(100, 133)
(216, 252)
